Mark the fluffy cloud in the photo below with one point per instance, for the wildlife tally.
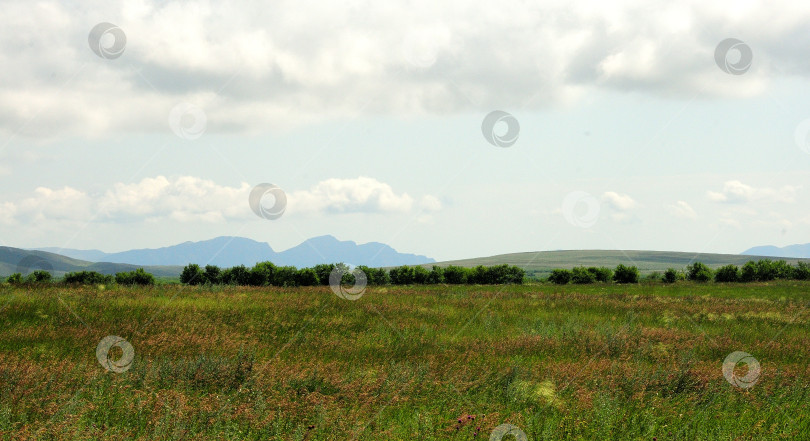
(250, 67)
(360, 195)
(619, 202)
(682, 210)
(737, 192)
(192, 199)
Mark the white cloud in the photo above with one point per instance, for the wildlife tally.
(681, 209)
(251, 68)
(192, 199)
(431, 203)
(736, 192)
(619, 202)
(360, 195)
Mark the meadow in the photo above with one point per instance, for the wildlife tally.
(601, 361)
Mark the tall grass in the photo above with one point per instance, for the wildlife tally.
(425, 363)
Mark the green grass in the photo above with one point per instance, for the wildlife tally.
(403, 363)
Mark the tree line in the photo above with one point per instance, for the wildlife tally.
(268, 274)
(762, 270)
(40, 277)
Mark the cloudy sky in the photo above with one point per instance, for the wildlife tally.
(619, 125)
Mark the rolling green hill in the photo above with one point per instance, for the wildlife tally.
(540, 264)
(14, 260)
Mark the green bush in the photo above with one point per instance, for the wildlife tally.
(601, 274)
(402, 275)
(15, 279)
(191, 275)
(306, 277)
(670, 275)
(420, 275)
(765, 270)
(580, 275)
(38, 277)
(323, 271)
(699, 272)
(212, 275)
(626, 274)
(137, 277)
(728, 273)
(436, 275)
(560, 276)
(87, 278)
(748, 273)
(802, 271)
(782, 270)
(455, 275)
(284, 276)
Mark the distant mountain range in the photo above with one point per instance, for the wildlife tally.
(229, 251)
(16, 260)
(798, 251)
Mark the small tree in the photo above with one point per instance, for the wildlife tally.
(141, 277)
(137, 277)
(402, 275)
(670, 275)
(436, 275)
(455, 275)
(87, 278)
(15, 279)
(782, 270)
(323, 270)
(802, 271)
(306, 277)
(420, 275)
(580, 275)
(765, 270)
(212, 275)
(748, 272)
(39, 277)
(285, 276)
(515, 274)
(726, 274)
(191, 275)
(560, 276)
(699, 272)
(601, 274)
(626, 274)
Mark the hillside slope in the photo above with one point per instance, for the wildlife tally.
(14, 260)
(541, 263)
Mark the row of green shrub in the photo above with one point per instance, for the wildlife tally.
(39, 277)
(760, 271)
(266, 273)
(582, 275)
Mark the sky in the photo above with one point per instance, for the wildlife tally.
(451, 129)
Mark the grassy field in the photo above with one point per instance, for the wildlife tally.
(406, 363)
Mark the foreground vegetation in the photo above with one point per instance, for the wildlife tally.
(600, 361)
